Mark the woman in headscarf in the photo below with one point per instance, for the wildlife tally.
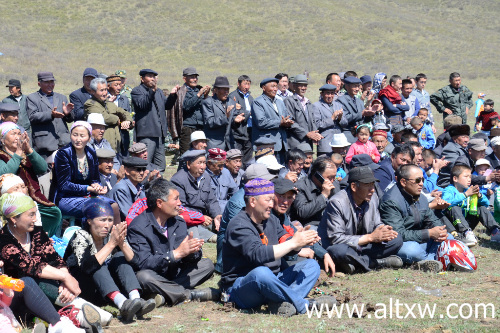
(379, 82)
(28, 254)
(100, 258)
(75, 176)
(17, 157)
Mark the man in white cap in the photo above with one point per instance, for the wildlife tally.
(340, 145)
(97, 141)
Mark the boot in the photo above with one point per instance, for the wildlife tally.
(390, 262)
(89, 318)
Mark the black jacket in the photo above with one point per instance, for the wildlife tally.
(239, 131)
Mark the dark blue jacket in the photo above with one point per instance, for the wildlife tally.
(385, 173)
(65, 182)
(153, 250)
(78, 98)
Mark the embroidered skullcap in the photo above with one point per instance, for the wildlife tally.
(259, 186)
(380, 132)
(82, 123)
(216, 154)
(13, 204)
(9, 180)
(96, 207)
(7, 126)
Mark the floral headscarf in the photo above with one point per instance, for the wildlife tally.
(13, 204)
(6, 127)
(377, 81)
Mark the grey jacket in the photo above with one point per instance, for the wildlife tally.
(303, 121)
(266, 121)
(215, 122)
(23, 116)
(48, 133)
(353, 114)
(339, 224)
(324, 123)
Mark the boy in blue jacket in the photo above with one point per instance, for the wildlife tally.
(458, 194)
(424, 132)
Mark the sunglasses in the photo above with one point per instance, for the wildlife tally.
(417, 180)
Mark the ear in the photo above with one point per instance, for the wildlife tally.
(159, 202)
(455, 179)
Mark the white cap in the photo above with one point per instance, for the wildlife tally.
(483, 161)
(198, 135)
(339, 140)
(495, 141)
(96, 118)
(270, 162)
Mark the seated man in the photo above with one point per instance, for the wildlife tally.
(284, 195)
(252, 254)
(294, 165)
(195, 191)
(129, 189)
(140, 150)
(169, 260)
(97, 141)
(233, 165)
(314, 192)
(198, 142)
(106, 175)
(406, 209)
(351, 229)
(306, 149)
(402, 154)
(221, 182)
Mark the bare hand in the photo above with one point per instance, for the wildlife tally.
(448, 111)
(466, 110)
(112, 98)
(439, 234)
(125, 125)
(228, 110)
(56, 114)
(327, 187)
(154, 175)
(67, 108)
(438, 204)
(383, 233)
(175, 89)
(368, 112)
(114, 236)
(208, 220)
(305, 237)
(436, 193)
(292, 176)
(217, 220)
(306, 253)
(286, 121)
(337, 115)
(239, 118)
(438, 164)
(188, 246)
(434, 130)
(71, 284)
(314, 136)
(472, 190)
(329, 265)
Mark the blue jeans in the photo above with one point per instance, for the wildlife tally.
(260, 286)
(412, 251)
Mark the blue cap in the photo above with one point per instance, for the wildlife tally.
(352, 80)
(365, 78)
(89, 71)
(192, 154)
(147, 71)
(264, 140)
(266, 81)
(9, 107)
(328, 87)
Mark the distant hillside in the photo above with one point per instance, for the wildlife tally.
(258, 38)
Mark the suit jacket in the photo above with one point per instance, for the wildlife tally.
(353, 115)
(303, 121)
(239, 131)
(495, 163)
(23, 116)
(125, 194)
(65, 180)
(266, 122)
(153, 249)
(324, 123)
(124, 103)
(78, 98)
(112, 180)
(48, 133)
(150, 114)
(215, 122)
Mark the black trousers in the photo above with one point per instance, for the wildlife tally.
(176, 285)
(364, 257)
(185, 138)
(462, 223)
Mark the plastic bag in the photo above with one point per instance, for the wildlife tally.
(7, 315)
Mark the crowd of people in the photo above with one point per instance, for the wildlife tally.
(359, 180)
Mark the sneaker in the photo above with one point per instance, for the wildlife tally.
(432, 266)
(390, 262)
(495, 236)
(91, 319)
(283, 309)
(469, 238)
(65, 325)
(129, 309)
(146, 306)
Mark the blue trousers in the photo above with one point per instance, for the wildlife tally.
(412, 251)
(260, 286)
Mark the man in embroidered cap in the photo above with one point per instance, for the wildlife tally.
(222, 182)
(252, 255)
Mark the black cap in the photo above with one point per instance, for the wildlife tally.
(365, 78)
(282, 185)
(221, 82)
(14, 83)
(189, 71)
(362, 174)
(363, 160)
(134, 162)
(147, 71)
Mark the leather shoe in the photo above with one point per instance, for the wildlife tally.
(390, 262)
(130, 308)
(206, 294)
(146, 306)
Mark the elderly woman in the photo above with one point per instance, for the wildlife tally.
(100, 258)
(75, 176)
(17, 157)
(28, 254)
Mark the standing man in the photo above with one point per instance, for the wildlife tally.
(121, 101)
(125, 88)
(411, 100)
(283, 81)
(241, 133)
(394, 104)
(49, 113)
(453, 99)
(327, 117)
(17, 97)
(270, 118)
(334, 80)
(80, 96)
(150, 104)
(191, 107)
(302, 112)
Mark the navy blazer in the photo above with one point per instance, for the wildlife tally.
(78, 98)
(150, 121)
(266, 122)
(152, 248)
(64, 174)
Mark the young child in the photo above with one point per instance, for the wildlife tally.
(479, 104)
(424, 133)
(485, 116)
(458, 194)
(337, 160)
(494, 121)
(363, 145)
(481, 169)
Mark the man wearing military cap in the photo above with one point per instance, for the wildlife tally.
(125, 88)
(129, 189)
(49, 114)
(222, 182)
(150, 105)
(327, 117)
(120, 100)
(302, 112)
(80, 96)
(17, 97)
(270, 118)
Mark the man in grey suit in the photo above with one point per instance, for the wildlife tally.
(150, 116)
(105, 159)
(327, 117)
(354, 108)
(80, 96)
(120, 100)
(270, 118)
(49, 113)
(301, 111)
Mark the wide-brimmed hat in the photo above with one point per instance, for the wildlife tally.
(339, 140)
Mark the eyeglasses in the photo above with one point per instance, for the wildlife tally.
(417, 180)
